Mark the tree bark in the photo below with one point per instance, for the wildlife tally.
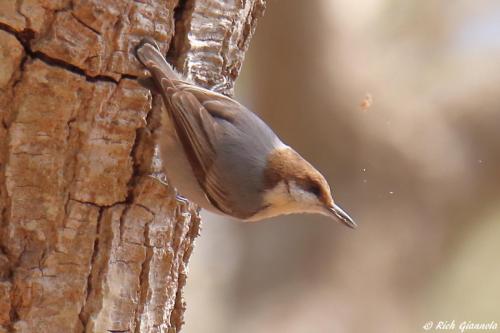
(92, 239)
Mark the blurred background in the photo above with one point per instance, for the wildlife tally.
(419, 170)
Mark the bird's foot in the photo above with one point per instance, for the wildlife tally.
(182, 205)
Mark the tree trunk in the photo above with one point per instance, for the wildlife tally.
(91, 237)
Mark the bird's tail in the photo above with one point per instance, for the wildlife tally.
(150, 56)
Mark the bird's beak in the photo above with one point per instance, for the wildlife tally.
(339, 214)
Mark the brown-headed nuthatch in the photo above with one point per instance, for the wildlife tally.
(225, 158)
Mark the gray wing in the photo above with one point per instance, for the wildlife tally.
(199, 135)
(241, 157)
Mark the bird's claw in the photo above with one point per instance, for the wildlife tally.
(182, 205)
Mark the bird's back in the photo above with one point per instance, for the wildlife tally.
(245, 162)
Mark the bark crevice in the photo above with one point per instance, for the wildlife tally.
(144, 283)
(179, 43)
(24, 37)
(83, 318)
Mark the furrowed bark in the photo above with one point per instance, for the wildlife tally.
(92, 239)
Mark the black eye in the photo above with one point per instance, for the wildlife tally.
(315, 189)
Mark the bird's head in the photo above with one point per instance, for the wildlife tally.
(293, 185)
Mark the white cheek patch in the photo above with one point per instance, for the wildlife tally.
(300, 196)
(279, 195)
(288, 199)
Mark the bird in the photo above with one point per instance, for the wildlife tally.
(226, 159)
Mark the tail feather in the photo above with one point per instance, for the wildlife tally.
(150, 56)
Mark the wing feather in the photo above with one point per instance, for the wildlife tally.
(198, 132)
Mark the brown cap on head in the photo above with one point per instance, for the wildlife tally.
(286, 164)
